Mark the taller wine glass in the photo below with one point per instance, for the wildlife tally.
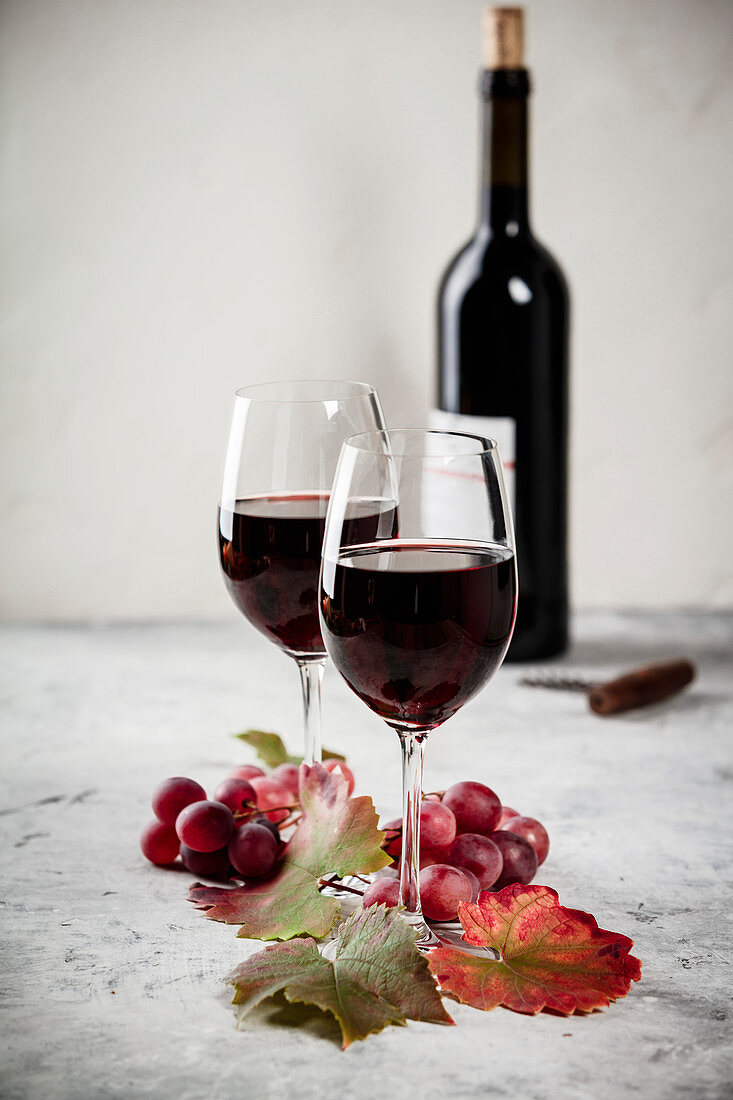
(284, 444)
(418, 621)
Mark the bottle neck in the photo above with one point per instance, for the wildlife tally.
(504, 203)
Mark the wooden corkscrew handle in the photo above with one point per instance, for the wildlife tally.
(649, 684)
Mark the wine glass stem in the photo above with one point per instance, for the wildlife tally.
(413, 747)
(311, 678)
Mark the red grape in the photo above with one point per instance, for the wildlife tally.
(263, 819)
(478, 854)
(245, 771)
(383, 891)
(236, 793)
(432, 797)
(531, 830)
(506, 813)
(393, 844)
(437, 825)
(429, 856)
(475, 884)
(210, 864)
(253, 851)
(173, 795)
(520, 860)
(287, 776)
(205, 826)
(270, 794)
(441, 889)
(159, 843)
(338, 766)
(477, 809)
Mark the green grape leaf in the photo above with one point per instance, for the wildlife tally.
(548, 957)
(336, 834)
(271, 749)
(376, 976)
(329, 754)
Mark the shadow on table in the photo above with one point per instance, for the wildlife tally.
(277, 1011)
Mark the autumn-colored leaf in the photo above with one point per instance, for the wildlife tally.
(376, 976)
(336, 834)
(271, 749)
(549, 957)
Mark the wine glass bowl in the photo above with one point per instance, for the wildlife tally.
(418, 619)
(284, 443)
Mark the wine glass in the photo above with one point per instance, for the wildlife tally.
(284, 444)
(418, 620)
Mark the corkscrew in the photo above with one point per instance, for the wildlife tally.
(638, 688)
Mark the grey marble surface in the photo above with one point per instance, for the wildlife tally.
(111, 982)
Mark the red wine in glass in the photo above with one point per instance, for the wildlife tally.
(417, 628)
(270, 553)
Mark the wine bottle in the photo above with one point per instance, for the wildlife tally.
(503, 318)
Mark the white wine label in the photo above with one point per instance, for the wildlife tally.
(502, 429)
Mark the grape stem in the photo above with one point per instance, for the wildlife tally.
(324, 882)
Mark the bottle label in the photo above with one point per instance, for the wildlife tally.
(502, 429)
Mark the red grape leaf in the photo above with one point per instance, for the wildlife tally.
(271, 750)
(376, 976)
(336, 834)
(549, 957)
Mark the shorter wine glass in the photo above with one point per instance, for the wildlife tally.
(419, 619)
(283, 448)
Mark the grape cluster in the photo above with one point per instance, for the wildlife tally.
(235, 834)
(468, 842)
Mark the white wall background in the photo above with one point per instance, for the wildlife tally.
(200, 195)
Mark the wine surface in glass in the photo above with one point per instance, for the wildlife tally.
(270, 553)
(417, 628)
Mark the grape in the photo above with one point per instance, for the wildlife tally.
(429, 856)
(441, 889)
(531, 830)
(478, 854)
(393, 843)
(211, 864)
(245, 771)
(475, 884)
(432, 797)
(338, 766)
(506, 813)
(236, 793)
(270, 794)
(253, 850)
(383, 891)
(287, 776)
(173, 795)
(437, 825)
(205, 826)
(263, 819)
(477, 809)
(159, 843)
(520, 861)
(437, 829)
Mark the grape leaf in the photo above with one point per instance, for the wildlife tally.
(271, 749)
(336, 834)
(377, 976)
(549, 957)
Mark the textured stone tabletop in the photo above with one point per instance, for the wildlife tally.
(111, 981)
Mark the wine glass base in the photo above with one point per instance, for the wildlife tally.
(429, 934)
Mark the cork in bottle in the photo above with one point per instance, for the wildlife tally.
(503, 38)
